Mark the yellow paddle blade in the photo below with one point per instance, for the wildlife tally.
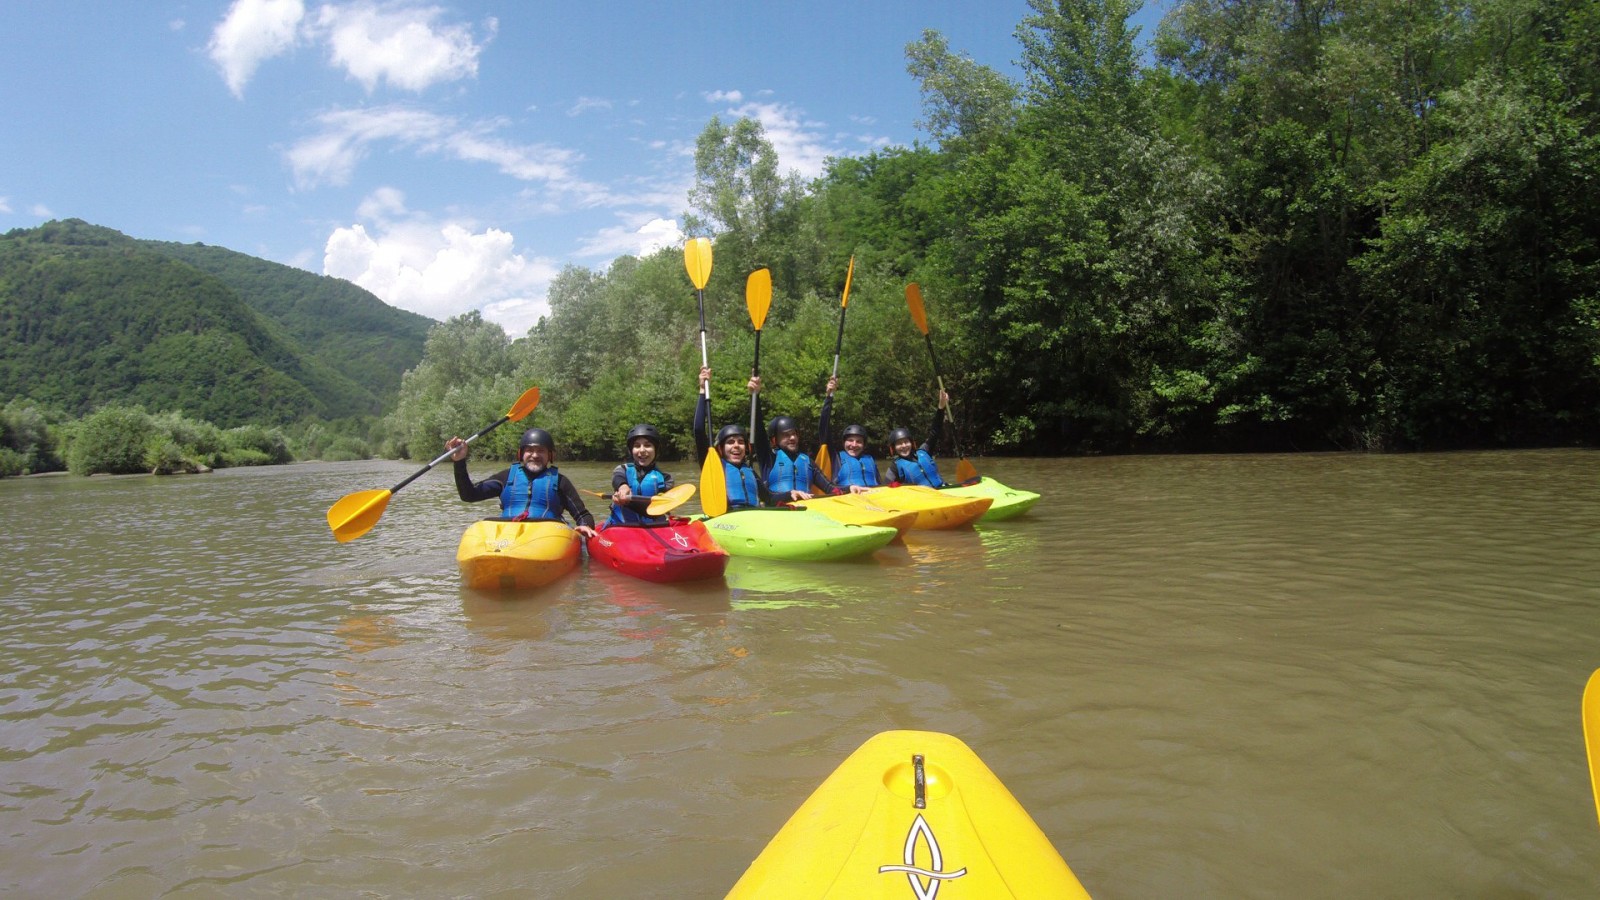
(524, 404)
(670, 500)
(914, 303)
(758, 295)
(355, 514)
(713, 485)
(825, 461)
(1591, 733)
(697, 259)
(965, 471)
(845, 301)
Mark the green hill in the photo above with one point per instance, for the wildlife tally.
(89, 316)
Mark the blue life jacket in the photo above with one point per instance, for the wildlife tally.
(849, 471)
(647, 486)
(538, 497)
(789, 474)
(743, 489)
(921, 470)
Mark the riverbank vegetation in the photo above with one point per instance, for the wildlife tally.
(1280, 226)
(1351, 225)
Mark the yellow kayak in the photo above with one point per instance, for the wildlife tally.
(859, 509)
(906, 814)
(497, 554)
(936, 510)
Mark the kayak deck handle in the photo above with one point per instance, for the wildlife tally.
(921, 778)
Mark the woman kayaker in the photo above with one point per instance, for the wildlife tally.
(853, 466)
(532, 489)
(791, 475)
(746, 488)
(633, 483)
(913, 464)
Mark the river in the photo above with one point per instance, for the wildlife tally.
(1212, 676)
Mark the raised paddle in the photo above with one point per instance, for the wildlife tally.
(757, 298)
(965, 471)
(714, 488)
(824, 458)
(660, 504)
(1591, 733)
(355, 514)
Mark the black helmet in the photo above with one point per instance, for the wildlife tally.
(537, 437)
(898, 435)
(729, 431)
(644, 431)
(781, 424)
(855, 431)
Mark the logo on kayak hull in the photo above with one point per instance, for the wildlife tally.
(924, 882)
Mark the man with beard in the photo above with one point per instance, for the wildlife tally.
(531, 489)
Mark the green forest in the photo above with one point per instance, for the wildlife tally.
(1271, 225)
(1293, 226)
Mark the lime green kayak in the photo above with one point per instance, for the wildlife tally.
(1008, 502)
(794, 534)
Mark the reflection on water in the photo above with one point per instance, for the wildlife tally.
(1203, 676)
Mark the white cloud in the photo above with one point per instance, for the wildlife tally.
(252, 32)
(585, 104)
(42, 211)
(5, 204)
(799, 145)
(633, 239)
(723, 96)
(403, 46)
(331, 155)
(440, 269)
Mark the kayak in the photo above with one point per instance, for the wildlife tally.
(907, 813)
(935, 509)
(675, 550)
(859, 509)
(794, 534)
(1008, 502)
(500, 554)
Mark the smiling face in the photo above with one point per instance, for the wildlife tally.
(855, 445)
(789, 440)
(643, 451)
(536, 458)
(903, 447)
(734, 449)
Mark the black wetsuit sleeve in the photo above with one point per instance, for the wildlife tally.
(487, 489)
(935, 432)
(824, 421)
(573, 503)
(702, 427)
(820, 480)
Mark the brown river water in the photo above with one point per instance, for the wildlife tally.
(1254, 676)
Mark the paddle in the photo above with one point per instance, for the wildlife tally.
(660, 504)
(965, 471)
(714, 488)
(1591, 733)
(757, 298)
(824, 458)
(355, 514)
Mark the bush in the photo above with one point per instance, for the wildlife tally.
(31, 435)
(345, 449)
(246, 441)
(112, 439)
(12, 463)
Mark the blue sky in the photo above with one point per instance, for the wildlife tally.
(447, 156)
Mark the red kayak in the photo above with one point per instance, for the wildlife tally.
(675, 550)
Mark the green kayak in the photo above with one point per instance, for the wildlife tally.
(794, 534)
(1008, 502)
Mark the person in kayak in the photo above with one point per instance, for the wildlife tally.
(853, 466)
(791, 475)
(532, 489)
(746, 488)
(913, 464)
(633, 483)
